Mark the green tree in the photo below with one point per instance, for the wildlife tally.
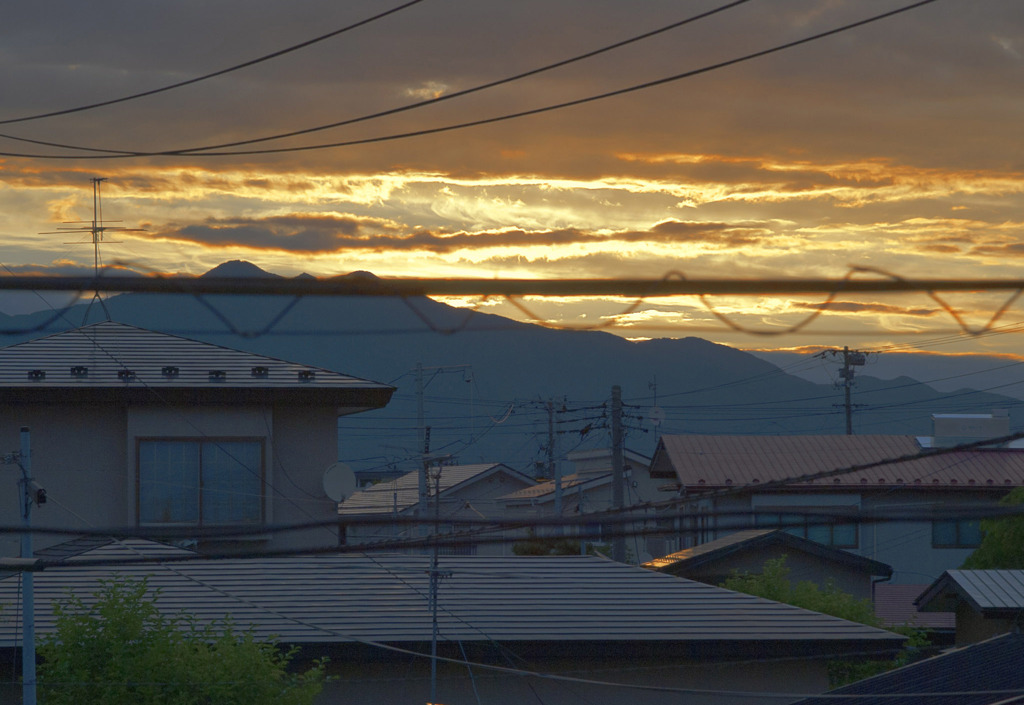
(1002, 540)
(773, 583)
(122, 650)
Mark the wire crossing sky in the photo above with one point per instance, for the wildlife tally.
(541, 141)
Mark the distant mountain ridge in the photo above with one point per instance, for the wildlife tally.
(487, 386)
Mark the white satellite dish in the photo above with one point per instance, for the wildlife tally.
(339, 481)
(656, 415)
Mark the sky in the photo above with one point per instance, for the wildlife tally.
(894, 146)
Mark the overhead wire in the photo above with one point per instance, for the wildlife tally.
(212, 74)
(121, 154)
(422, 103)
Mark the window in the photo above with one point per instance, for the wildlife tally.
(200, 481)
(956, 533)
(808, 527)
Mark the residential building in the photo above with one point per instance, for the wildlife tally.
(986, 603)
(921, 499)
(133, 428)
(588, 489)
(746, 552)
(387, 510)
(554, 629)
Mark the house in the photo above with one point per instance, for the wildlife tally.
(990, 672)
(588, 490)
(747, 551)
(986, 602)
(511, 629)
(135, 428)
(895, 606)
(465, 491)
(930, 498)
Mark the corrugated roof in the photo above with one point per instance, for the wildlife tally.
(384, 598)
(990, 671)
(894, 605)
(728, 461)
(120, 357)
(985, 590)
(403, 492)
(755, 539)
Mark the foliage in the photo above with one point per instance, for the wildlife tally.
(773, 583)
(121, 650)
(547, 546)
(1002, 540)
(533, 545)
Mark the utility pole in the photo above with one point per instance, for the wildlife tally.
(554, 471)
(31, 493)
(851, 359)
(435, 579)
(421, 508)
(618, 472)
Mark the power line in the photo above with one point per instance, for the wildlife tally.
(207, 76)
(483, 121)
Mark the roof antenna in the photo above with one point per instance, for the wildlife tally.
(96, 228)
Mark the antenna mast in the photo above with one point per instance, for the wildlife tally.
(96, 228)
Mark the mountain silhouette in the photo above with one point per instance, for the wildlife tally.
(488, 380)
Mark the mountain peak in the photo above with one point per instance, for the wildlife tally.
(237, 268)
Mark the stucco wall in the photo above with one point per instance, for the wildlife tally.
(85, 457)
(78, 457)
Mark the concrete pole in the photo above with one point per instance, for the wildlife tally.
(618, 474)
(28, 638)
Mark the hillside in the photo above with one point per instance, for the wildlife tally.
(487, 379)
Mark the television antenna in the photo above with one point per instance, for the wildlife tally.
(97, 228)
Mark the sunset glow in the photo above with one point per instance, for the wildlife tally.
(894, 146)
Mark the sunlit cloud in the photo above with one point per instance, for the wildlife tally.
(859, 307)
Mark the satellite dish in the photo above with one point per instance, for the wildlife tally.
(339, 481)
(656, 415)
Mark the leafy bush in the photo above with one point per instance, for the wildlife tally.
(773, 584)
(121, 650)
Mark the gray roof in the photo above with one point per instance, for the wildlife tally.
(403, 492)
(384, 598)
(756, 539)
(116, 361)
(703, 461)
(987, 591)
(985, 673)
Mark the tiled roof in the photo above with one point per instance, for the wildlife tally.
(894, 605)
(403, 492)
(384, 598)
(756, 539)
(135, 362)
(985, 673)
(729, 461)
(987, 591)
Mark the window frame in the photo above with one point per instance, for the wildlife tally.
(958, 530)
(793, 520)
(259, 441)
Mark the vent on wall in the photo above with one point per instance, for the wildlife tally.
(37, 375)
(218, 375)
(125, 375)
(260, 371)
(307, 375)
(169, 372)
(79, 371)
